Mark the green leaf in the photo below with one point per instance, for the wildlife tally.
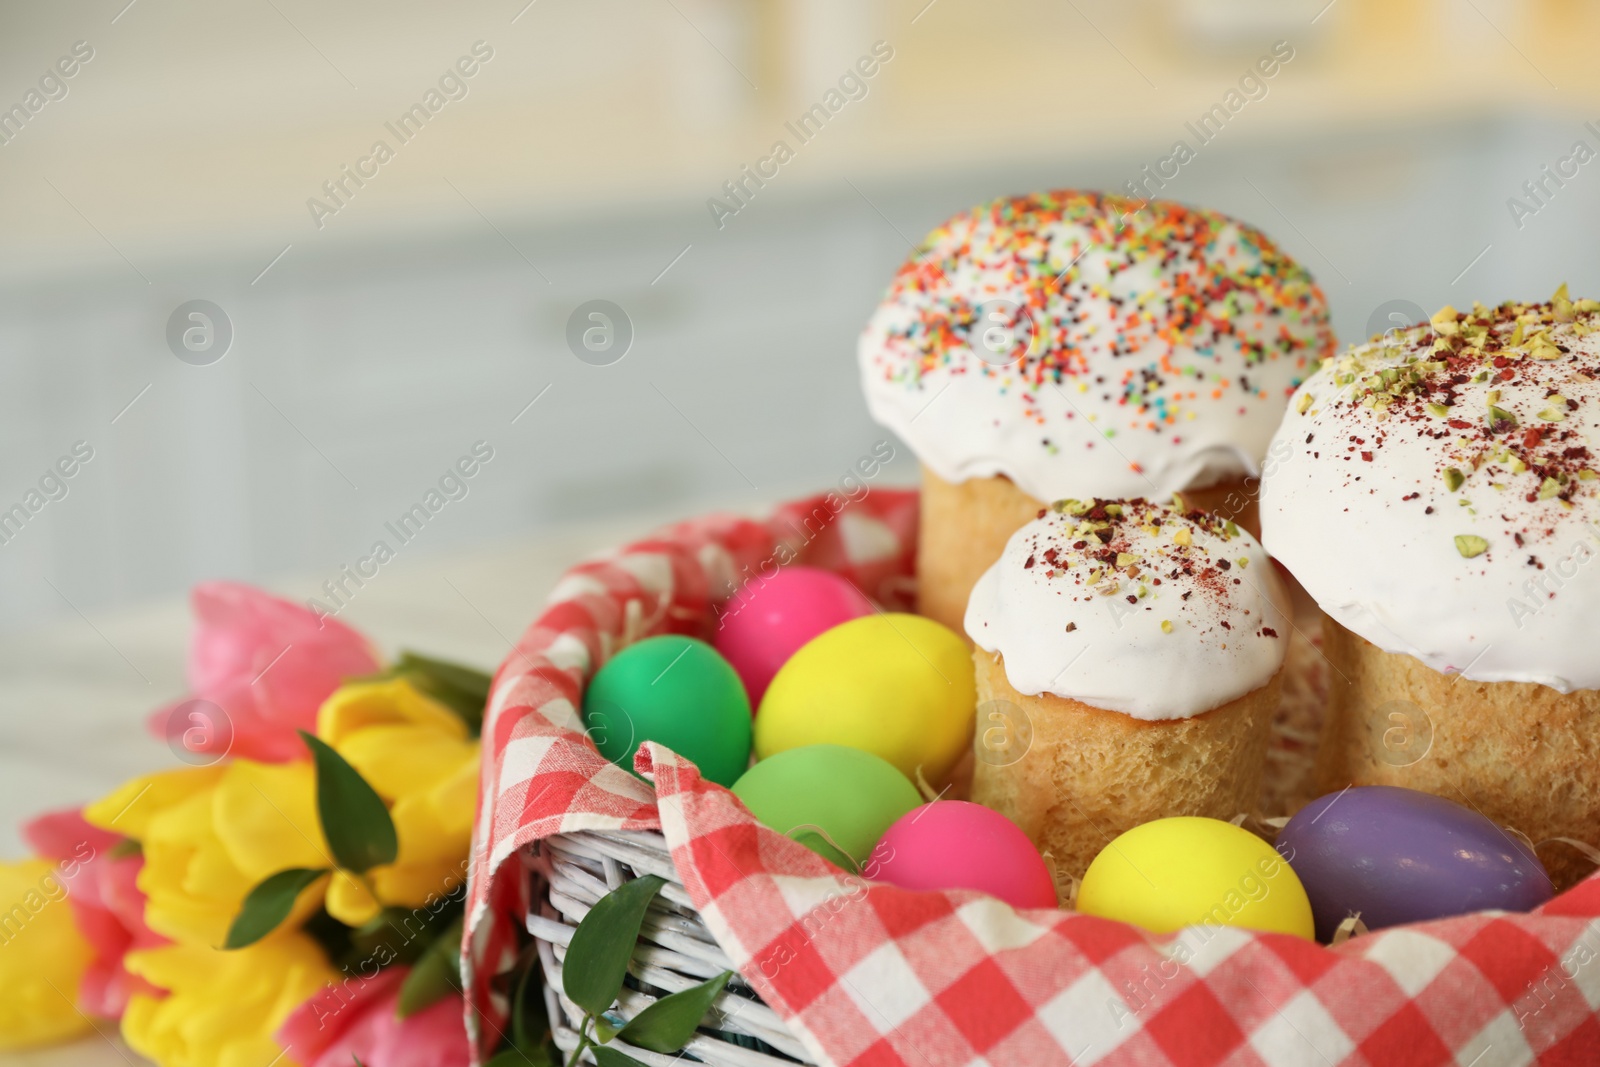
(511, 1057)
(540, 1054)
(668, 1024)
(530, 1023)
(268, 904)
(124, 848)
(457, 676)
(354, 818)
(610, 1057)
(435, 975)
(597, 959)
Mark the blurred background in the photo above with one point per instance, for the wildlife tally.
(376, 337)
(371, 316)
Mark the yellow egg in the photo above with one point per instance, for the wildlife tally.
(1186, 871)
(898, 686)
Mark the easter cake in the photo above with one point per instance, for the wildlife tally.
(1075, 344)
(1144, 647)
(1438, 499)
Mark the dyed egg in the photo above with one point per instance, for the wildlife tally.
(1400, 856)
(836, 801)
(954, 844)
(1186, 871)
(769, 619)
(898, 686)
(676, 691)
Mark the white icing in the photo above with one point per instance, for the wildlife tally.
(1065, 626)
(1185, 395)
(1384, 567)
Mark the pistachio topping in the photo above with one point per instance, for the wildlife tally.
(1178, 610)
(1132, 553)
(1524, 366)
(1475, 429)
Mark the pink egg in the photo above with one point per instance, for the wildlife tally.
(768, 619)
(953, 844)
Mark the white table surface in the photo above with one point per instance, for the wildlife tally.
(74, 695)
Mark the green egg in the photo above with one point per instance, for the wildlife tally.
(678, 692)
(836, 801)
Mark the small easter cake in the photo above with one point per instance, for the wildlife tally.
(1131, 654)
(1438, 497)
(1078, 344)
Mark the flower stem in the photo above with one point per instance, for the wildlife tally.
(583, 1041)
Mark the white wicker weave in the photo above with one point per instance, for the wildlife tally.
(675, 951)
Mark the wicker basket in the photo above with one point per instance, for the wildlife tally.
(544, 856)
(675, 950)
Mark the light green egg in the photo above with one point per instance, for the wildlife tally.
(836, 801)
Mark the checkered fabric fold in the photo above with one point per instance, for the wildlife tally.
(868, 975)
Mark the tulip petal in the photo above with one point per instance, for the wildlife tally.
(222, 1007)
(456, 797)
(321, 1021)
(421, 884)
(395, 702)
(43, 960)
(66, 835)
(265, 816)
(129, 809)
(367, 1028)
(269, 664)
(348, 900)
(401, 759)
(425, 836)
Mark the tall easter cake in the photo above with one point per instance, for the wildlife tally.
(1075, 344)
(1438, 497)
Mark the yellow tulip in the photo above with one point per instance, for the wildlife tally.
(222, 1008)
(129, 809)
(211, 834)
(42, 957)
(358, 706)
(417, 754)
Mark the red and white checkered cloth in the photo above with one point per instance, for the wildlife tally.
(870, 975)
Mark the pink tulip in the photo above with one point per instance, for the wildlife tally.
(357, 1021)
(107, 906)
(267, 664)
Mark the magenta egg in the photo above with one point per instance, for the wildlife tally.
(768, 619)
(954, 844)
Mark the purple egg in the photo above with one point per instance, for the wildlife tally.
(1400, 856)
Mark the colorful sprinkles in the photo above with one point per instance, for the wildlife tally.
(1161, 309)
